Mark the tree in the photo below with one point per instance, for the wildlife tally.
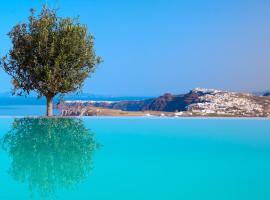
(49, 154)
(50, 56)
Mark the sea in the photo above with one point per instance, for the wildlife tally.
(31, 106)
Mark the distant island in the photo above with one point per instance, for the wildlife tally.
(198, 102)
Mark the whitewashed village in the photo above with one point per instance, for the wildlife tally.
(198, 102)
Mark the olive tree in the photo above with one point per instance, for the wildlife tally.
(49, 56)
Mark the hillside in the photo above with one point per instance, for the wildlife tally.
(198, 101)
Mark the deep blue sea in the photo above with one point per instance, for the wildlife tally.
(142, 158)
(31, 106)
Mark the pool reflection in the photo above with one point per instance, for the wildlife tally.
(49, 154)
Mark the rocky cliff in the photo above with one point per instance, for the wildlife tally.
(198, 101)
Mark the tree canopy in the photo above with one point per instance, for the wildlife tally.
(50, 55)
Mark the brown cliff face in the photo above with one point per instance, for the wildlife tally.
(199, 101)
(166, 103)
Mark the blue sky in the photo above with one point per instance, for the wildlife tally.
(155, 46)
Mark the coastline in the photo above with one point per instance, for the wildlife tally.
(198, 102)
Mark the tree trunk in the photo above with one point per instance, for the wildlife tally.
(49, 106)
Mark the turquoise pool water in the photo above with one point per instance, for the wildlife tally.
(135, 159)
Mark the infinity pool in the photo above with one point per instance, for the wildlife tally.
(135, 159)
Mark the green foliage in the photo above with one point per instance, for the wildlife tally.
(50, 55)
(49, 154)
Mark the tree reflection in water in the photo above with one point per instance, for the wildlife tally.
(49, 154)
